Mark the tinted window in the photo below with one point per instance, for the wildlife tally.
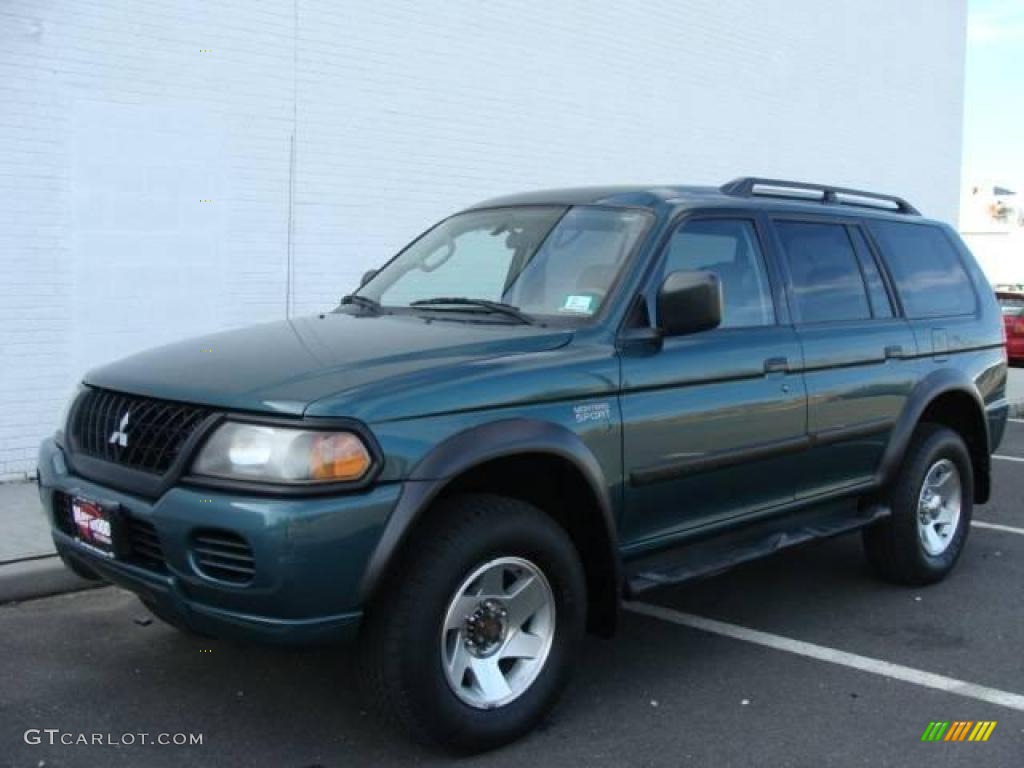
(729, 248)
(827, 282)
(929, 276)
(881, 306)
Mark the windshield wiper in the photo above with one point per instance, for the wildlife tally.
(494, 307)
(361, 301)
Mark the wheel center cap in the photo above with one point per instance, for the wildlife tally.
(486, 627)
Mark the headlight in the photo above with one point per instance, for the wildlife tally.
(282, 455)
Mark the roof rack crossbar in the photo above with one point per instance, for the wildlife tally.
(746, 187)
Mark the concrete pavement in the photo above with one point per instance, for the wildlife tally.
(29, 567)
(26, 532)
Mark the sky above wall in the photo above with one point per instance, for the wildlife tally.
(994, 103)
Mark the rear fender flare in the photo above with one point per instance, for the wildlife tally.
(927, 390)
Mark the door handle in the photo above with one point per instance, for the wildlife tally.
(894, 350)
(776, 365)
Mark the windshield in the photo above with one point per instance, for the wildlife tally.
(547, 261)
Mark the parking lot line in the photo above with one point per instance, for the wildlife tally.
(1006, 458)
(997, 527)
(833, 656)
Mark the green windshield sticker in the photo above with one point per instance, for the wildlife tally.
(575, 303)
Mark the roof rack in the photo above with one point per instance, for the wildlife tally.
(749, 186)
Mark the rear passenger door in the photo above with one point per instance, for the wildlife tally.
(858, 353)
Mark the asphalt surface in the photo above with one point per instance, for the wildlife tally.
(659, 694)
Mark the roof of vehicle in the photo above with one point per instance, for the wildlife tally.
(787, 196)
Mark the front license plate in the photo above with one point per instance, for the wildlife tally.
(93, 525)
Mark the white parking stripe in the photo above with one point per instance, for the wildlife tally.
(997, 527)
(1017, 421)
(833, 656)
(1007, 458)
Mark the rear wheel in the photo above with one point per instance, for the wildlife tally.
(470, 643)
(932, 503)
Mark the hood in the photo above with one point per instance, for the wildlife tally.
(283, 367)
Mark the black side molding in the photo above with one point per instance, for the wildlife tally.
(720, 459)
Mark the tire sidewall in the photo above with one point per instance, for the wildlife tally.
(941, 443)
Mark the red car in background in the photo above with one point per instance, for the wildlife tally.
(1012, 303)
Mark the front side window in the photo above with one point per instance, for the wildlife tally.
(929, 275)
(826, 279)
(729, 248)
(546, 261)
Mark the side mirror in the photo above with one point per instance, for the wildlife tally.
(689, 302)
(368, 275)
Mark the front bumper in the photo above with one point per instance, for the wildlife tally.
(309, 555)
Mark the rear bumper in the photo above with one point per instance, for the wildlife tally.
(309, 555)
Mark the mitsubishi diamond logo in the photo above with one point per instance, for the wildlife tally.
(120, 435)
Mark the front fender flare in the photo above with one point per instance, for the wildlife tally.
(473, 447)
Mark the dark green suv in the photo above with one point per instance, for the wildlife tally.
(545, 404)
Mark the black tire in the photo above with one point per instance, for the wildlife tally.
(893, 546)
(401, 641)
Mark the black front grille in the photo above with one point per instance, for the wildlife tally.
(136, 432)
(223, 555)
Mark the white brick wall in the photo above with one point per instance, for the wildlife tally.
(115, 125)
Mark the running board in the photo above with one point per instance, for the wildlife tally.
(706, 557)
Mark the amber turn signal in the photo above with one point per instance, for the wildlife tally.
(338, 456)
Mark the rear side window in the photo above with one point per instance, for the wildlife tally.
(929, 275)
(826, 278)
(729, 248)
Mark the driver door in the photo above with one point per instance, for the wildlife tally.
(714, 422)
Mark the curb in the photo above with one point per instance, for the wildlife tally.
(1017, 410)
(37, 577)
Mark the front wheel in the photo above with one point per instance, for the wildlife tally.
(931, 502)
(473, 636)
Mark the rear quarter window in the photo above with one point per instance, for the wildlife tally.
(928, 271)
